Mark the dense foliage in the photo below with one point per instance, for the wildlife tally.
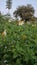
(19, 45)
(26, 13)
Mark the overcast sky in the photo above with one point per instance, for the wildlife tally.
(17, 3)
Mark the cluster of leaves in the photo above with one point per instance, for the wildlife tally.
(19, 46)
(26, 13)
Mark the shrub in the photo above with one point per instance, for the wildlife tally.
(19, 46)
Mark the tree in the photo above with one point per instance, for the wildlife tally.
(8, 5)
(24, 12)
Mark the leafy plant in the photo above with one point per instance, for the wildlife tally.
(19, 46)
